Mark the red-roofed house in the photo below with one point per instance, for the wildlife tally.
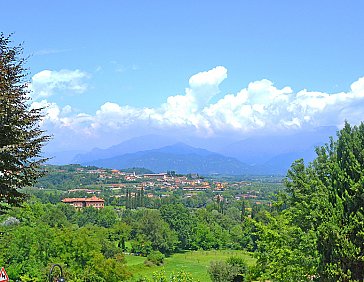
(94, 201)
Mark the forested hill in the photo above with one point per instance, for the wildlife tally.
(65, 177)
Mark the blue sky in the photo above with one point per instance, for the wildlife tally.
(111, 70)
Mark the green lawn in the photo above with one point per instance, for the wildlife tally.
(194, 262)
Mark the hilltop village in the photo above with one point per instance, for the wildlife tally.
(115, 187)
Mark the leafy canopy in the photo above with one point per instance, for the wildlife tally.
(21, 138)
(321, 232)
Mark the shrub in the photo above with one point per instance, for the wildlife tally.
(155, 257)
(234, 270)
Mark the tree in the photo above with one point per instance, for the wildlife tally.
(120, 232)
(180, 220)
(320, 233)
(151, 228)
(21, 138)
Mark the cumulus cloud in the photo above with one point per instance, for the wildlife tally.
(187, 109)
(260, 106)
(115, 116)
(52, 113)
(47, 82)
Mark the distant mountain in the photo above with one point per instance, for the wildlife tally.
(261, 150)
(282, 162)
(258, 155)
(178, 157)
(137, 170)
(62, 157)
(141, 143)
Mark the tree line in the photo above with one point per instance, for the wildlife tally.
(83, 241)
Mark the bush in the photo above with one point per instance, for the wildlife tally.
(219, 271)
(160, 276)
(234, 270)
(155, 257)
(239, 268)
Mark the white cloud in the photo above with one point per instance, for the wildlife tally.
(260, 106)
(186, 110)
(357, 88)
(46, 83)
(115, 116)
(205, 85)
(212, 77)
(53, 113)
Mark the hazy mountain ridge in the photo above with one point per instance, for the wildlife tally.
(265, 149)
(133, 145)
(256, 155)
(178, 157)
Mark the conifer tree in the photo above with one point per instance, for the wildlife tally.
(142, 197)
(127, 200)
(242, 218)
(21, 138)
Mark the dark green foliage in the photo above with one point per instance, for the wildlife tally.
(21, 138)
(151, 230)
(84, 241)
(120, 232)
(45, 235)
(105, 217)
(239, 268)
(320, 233)
(212, 230)
(244, 236)
(156, 258)
(233, 270)
(180, 220)
(219, 271)
(137, 170)
(66, 177)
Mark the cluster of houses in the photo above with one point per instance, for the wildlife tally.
(118, 180)
(154, 180)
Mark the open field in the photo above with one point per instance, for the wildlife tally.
(194, 262)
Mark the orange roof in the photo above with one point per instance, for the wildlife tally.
(92, 199)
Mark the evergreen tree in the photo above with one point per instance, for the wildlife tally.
(133, 200)
(242, 218)
(127, 199)
(321, 233)
(139, 199)
(21, 138)
(142, 197)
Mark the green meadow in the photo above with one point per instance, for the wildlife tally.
(194, 262)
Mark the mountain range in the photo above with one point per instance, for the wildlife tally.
(178, 157)
(257, 155)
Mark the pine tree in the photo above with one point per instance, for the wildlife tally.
(21, 138)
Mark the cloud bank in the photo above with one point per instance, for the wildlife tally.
(258, 107)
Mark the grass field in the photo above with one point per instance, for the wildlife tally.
(194, 262)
